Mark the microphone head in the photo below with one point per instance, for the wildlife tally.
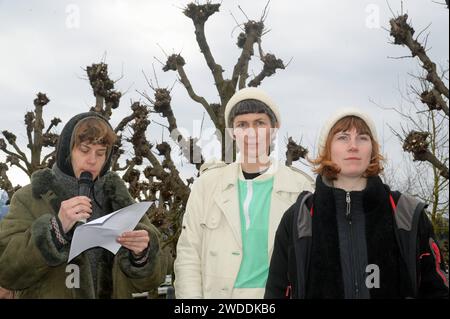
(85, 177)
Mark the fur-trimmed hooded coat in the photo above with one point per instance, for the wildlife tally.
(34, 265)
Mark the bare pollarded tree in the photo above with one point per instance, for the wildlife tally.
(249, 40)
(425, 128)
(39, 140)
(435, 93)
(149, 169)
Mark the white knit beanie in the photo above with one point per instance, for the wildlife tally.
(340, 114)
(251, 93)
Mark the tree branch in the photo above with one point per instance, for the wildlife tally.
(162, 105)
(246, 41)
(15, 162)
(143, 149)
(403, 35)
(123, 123)
(5, 183)
(199, 14)
(46, 157)
(53, 123)
(199, 99)
(103, 88)
(294, 152)
(433, 99)
(417, 143)
(29, 124)
(36, 147)
(11, 138)
(175, 62)
(271, 64)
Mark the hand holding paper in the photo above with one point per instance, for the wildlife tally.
(104, 231)
(136, 241)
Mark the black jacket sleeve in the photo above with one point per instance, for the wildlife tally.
(432, 278)
(279, 285)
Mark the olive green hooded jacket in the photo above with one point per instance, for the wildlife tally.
(33, 266)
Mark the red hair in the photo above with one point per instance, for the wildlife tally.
(324, 166)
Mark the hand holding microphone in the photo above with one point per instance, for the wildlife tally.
(77, 208)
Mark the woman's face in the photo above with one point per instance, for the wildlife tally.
(351, 151)
(88, 158)
(253, 133)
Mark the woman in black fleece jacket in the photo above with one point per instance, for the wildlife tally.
(354, 238)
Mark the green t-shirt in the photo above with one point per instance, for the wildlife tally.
(254, 205)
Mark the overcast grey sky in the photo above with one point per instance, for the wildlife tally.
(339, 53)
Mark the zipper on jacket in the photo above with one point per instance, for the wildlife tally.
(354, 274)
(247, 203)
(348, 215)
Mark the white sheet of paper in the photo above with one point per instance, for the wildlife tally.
(103, 231)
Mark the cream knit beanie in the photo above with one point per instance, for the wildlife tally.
(340, 114)
(251, 93)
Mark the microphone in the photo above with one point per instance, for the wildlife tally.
(84, 186)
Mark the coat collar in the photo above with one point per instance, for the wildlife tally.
(46, 186)
(325, 272)
(228, 198)
(283, 181)
(374, 190)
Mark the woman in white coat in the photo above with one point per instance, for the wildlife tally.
(233, 211)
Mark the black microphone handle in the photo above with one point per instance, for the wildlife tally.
(84, 189)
